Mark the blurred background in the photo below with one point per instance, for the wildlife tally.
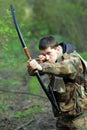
(66, 20)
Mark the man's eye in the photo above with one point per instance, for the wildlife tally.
(48, 53)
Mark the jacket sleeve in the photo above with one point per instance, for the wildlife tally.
(70, 66)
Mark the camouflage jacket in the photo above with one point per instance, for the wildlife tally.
(73, 101)
(69, 66)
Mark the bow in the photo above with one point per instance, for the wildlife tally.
(52, 99)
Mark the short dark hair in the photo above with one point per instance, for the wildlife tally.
(47, 41)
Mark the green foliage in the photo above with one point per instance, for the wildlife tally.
(30, 112)
(35, 87)
(11, 54)
(3, 107)
(84, 55)
(59, 38)
(65, 18)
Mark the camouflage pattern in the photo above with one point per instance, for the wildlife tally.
(70, 123)
(73, 102)
(70, 65)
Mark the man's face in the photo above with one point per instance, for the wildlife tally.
(50, 54)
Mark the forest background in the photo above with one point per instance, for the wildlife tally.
(66, 20)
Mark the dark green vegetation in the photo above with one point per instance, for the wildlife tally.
(65, 19)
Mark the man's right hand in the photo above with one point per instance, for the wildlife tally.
(33, 64)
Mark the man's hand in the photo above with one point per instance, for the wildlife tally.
(41, 58)
(33, 64)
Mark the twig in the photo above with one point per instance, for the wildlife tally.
(26, 124)
(20, 92)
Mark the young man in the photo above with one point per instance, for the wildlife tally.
(61, 60)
